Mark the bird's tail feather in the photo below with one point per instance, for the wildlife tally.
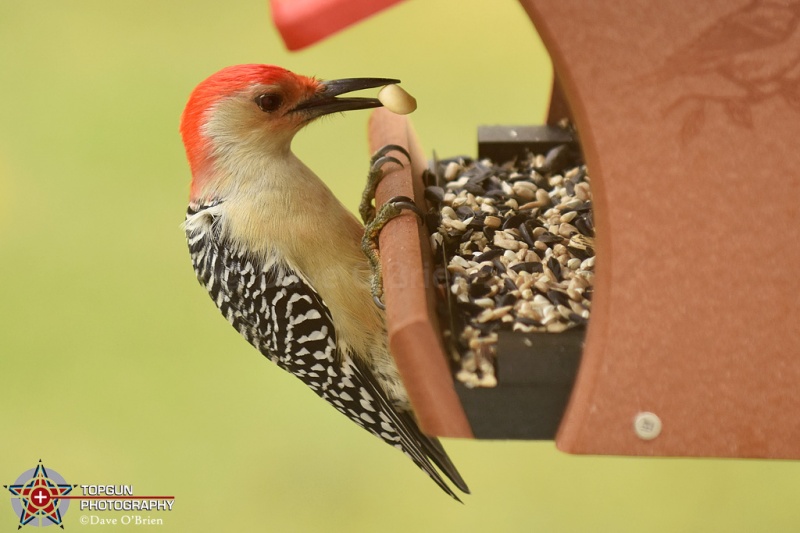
(434, 450)
(425, 451)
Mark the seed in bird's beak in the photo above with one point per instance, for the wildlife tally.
(327, 100)
(397, 100)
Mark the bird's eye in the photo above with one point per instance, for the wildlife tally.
(269, 102)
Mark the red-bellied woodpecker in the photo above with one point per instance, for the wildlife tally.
(281, 257)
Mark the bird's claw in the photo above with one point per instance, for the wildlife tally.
(404, 202)
(376, 174)
(390, 148)
(377, 164)
(369, 243)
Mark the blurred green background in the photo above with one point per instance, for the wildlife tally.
(116, 368)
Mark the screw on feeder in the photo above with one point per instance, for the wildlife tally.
(647, 425)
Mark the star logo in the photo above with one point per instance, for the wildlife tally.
(36, 497)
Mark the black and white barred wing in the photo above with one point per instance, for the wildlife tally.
(286, 320)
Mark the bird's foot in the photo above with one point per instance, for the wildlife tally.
(369, 242)
(376, 174)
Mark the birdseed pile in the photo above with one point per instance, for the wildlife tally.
(518, 242)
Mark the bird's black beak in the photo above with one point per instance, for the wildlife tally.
(325, 101)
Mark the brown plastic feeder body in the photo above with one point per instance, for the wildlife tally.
(689, 116)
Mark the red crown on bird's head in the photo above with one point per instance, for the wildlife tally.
(227, 82)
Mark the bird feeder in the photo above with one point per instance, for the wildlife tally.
(689, 120)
